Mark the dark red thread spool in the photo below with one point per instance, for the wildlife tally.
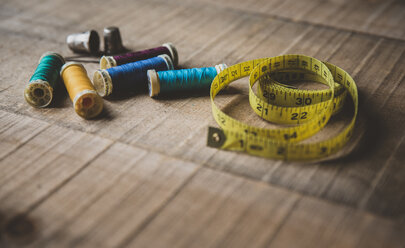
(116, 60)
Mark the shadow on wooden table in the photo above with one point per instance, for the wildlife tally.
(366, 137)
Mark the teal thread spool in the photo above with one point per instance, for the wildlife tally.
(167, 82)
(39, 91)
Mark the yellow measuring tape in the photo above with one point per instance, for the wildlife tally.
(305, 111)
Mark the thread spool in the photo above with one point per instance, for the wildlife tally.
(129, 76)
(86, 42)
(112, 61)
(39, 91)
(166, 82)
(86, 102)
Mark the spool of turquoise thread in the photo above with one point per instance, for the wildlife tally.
(39, 91)
(167, 82)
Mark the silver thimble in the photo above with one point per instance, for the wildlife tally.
(86, 42)
(112, 41)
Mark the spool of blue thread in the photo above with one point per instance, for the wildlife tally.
(129, 76)
(166, 82)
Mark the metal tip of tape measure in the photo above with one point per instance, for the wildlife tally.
(216, 137)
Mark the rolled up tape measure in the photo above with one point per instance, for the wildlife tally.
(305, 111)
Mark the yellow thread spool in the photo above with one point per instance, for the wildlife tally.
(86, 101)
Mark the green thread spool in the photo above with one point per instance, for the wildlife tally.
(39, 91)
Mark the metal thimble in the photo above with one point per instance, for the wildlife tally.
(86, 42)
(112, 41)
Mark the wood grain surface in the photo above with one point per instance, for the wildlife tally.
(141, 175)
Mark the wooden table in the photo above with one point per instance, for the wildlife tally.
(141, 175)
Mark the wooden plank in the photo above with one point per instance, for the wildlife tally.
(114, 196)
(44, 164)
(380, 18)
(240, 34)
(385, 195)
(318, 223)
(390, 21)
(38, 148)
(356, 173)
(15, 131)
(219, 210)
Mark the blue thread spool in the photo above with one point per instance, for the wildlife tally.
(128, 76)
(166, 82)
(39, 91)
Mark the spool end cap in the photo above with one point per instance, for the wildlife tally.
(173, 52)
(107, 62)
(38, 93)
(88, 104)
(153, 83)
(168, 61)
(102, 83)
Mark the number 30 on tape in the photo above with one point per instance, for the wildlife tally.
(276, 102)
